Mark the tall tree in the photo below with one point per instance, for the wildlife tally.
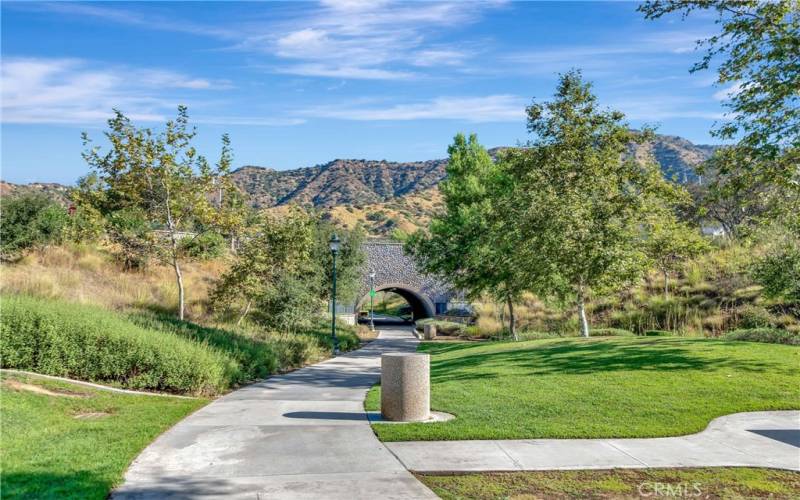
(160, 180)
(579, 202)
(758, 47)
(467, 245)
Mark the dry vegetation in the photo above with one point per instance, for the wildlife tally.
(406, 214)
(90, 275)
(713, 294)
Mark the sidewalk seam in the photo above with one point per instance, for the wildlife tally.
(611, 444)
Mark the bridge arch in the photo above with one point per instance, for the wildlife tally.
(421, 305)
(396, 272)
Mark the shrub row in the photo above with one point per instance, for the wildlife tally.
(442, 327)
(90, 343)
(768, 335)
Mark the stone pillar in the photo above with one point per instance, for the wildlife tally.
(429, 332)
(405, 387)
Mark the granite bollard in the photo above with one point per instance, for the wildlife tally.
(405, 387)
(429, 332)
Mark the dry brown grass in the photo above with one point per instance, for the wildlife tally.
(90, 275)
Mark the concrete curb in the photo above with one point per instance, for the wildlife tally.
(95, 386)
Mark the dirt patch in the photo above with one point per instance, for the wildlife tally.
(94, 415)
(22, 386)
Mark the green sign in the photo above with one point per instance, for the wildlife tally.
(372, 293)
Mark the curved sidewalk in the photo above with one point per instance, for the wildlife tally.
(758, 439)
(300, 435)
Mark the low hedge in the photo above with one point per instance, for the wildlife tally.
(89, 343)
(611, 332)
(657, 333)
(442, 327)
(768, 335)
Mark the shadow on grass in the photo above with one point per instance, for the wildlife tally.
(571, 357)
(30, 484)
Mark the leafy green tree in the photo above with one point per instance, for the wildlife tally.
(30, 221)
(162, 180)
(349, 261)
(578, 200)
(758, 46)
(669, 243)
(271, 264)
(468, 245)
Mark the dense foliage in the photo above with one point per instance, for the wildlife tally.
(282, 274)
(89, 343)
(755, 53)
(147, 351)
(468, 244)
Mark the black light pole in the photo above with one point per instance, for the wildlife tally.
(371, 295)
(334, 244)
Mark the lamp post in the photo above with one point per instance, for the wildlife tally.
(371, 295)
(334, 245)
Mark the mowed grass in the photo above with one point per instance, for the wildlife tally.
(69, 441)
(593, 388)
(620, 483)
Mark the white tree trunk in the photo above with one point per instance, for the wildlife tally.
(582, 314)
(179, 279)
(244, 313)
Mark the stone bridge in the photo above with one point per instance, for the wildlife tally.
(396, 272)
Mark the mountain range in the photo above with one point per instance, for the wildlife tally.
(386, 196)
(363, 182)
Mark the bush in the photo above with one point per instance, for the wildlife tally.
(534, 335)
(752, 316)
(30, 220)
(254, 359)
(205, 246)
(657, 333)
(779, 271)
(611, 332)
(768, 335)
(89, 343)
(442, 327)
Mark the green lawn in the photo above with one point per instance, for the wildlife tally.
(77, 442)
(620, 483)
(601, 387)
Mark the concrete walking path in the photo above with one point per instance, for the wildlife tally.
(757, 439)
(300, 435)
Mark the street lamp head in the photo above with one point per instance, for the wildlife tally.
(372, 275)
(334, 244)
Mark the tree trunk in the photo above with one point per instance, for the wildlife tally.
(179, 278)
(244, 313)
(512, 323)
(666, 284)
(582, 314)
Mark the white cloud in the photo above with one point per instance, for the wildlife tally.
(365, 39)
(41, 90)
(353, 39)
(728, 92)
(492, 108)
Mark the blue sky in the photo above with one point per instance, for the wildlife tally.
(301, 83)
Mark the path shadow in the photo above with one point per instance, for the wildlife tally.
(788, 436)
(327, 415)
